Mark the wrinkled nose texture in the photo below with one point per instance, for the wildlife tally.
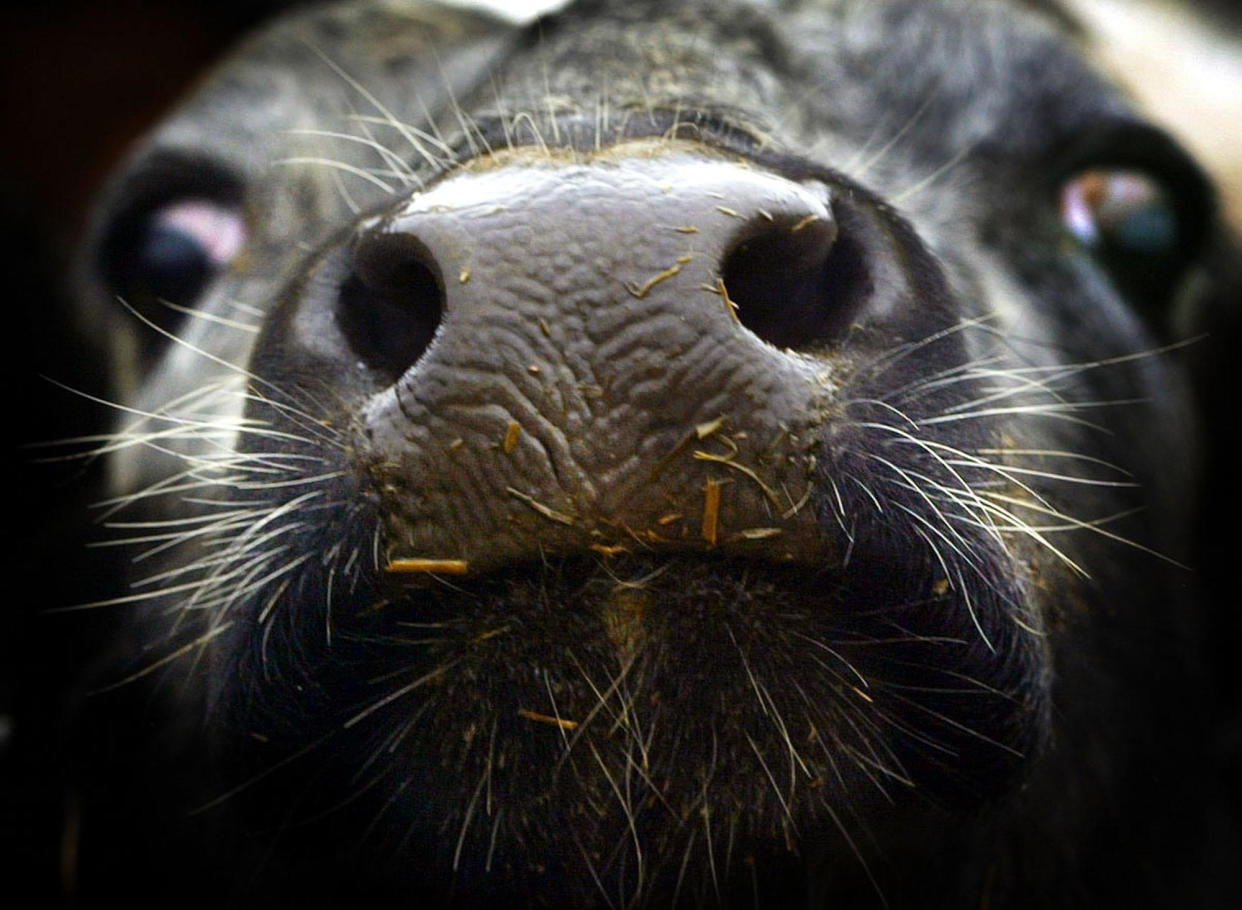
(572, 371)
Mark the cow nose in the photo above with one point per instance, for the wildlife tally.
(559, 240)
(629, 348)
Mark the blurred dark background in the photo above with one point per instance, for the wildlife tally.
(79, 81)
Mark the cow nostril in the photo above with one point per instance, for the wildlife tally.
(391, 302)
(797, 284)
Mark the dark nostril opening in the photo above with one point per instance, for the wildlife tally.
(391, 302)
(797, 283)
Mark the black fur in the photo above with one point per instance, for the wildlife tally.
(982, 674)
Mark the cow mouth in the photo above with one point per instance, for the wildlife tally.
(671, 701)
(878, 665)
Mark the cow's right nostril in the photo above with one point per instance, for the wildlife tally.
(391, 302)
(797, 283)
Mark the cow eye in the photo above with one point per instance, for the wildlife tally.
(1120, 213)
(175, 227)
(1141, 209)
(170, 254)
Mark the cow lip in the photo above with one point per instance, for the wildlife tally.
(616, 564)
(660, 591)
(684, 629)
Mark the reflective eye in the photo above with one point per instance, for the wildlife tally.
(180, 247)
(157, 257)
(1121, 211)
(1137, 228)
(170, 230)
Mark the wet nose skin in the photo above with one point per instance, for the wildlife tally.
(576, 373)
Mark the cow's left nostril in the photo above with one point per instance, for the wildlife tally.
(392, 301)
(797, 283)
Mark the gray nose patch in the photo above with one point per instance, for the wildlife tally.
(540, 233)
(587, 343)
